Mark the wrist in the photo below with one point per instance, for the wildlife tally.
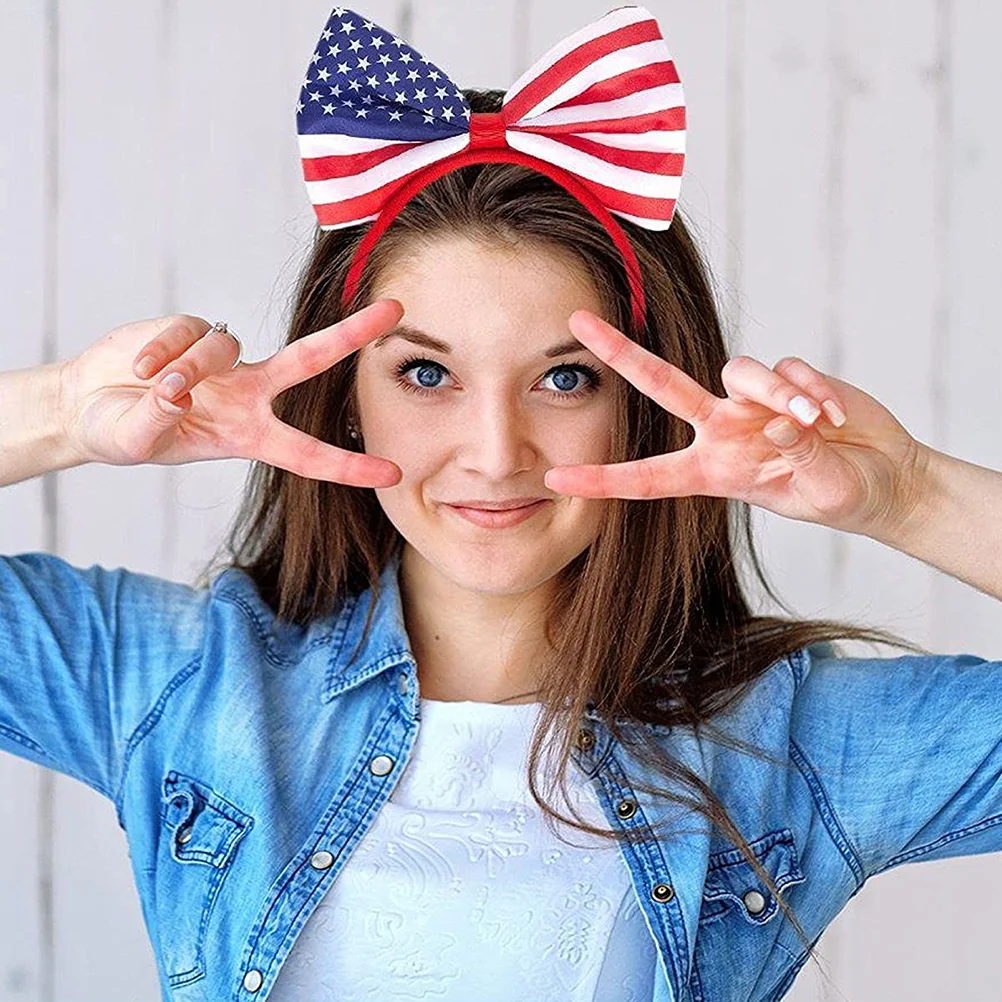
(52, 417)
(60, 411)
(921, 495)
(954, 520)
(33, 437)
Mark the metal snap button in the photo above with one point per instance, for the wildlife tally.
(184, 835)
(626, 808)
(662, 892)
(402, 685)
(253, 980)
(381, 765)
(754, 901)
(586, 740)
(321, 860)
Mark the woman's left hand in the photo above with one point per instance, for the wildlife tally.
(862, 477)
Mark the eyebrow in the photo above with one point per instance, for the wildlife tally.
(419, 337)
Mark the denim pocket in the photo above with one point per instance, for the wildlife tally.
(202, 831)
(737, 934)
(732, 883)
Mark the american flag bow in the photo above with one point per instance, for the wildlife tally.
(605, 104)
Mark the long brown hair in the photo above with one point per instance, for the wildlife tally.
(647, 626)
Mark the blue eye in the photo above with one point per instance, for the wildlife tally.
(562, 372)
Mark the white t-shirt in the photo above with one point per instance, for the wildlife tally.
(458, 891)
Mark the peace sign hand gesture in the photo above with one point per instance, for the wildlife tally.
(113, 412)
(862, 476)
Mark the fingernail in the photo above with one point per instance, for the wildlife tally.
(804, 409)
(171, 385)
(783, 434)
(145, 366)
(835, 413)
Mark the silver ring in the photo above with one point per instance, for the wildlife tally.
(220, 325)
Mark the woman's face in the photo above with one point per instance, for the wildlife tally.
(486, 413)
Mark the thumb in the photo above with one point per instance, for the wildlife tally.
(797, 444)
(807, 450)
(837, 489)
(156, 413)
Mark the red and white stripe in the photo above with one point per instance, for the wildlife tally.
(605, 103)
(348, 178)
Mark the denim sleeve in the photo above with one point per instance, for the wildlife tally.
(84, 655)
(903, 754)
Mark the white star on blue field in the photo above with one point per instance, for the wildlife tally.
(376, 86)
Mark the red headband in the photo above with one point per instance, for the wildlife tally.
(487, 144)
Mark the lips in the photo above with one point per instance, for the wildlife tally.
(488, 519)
(483, 504)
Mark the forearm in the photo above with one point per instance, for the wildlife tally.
(957, 523)
(32, 441)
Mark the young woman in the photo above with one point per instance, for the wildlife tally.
(326, 756)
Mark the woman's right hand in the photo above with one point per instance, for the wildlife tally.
(111, 415)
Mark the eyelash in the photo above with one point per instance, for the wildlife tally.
(415, 361)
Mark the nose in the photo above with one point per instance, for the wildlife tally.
(499, 442)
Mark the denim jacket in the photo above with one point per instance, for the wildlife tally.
(246, 761)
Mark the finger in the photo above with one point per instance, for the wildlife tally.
(312, 354)
(176, 338)
(804, 375)
(666, 384)
(293, 450)
(674, 475)
(211, 354)
(805, 450)
(749, 380)
(149, 419)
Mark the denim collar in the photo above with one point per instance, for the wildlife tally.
(385, 647)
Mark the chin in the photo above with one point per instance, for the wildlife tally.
(498, 573)
(498, 567)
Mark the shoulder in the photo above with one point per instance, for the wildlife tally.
(111, 601)
(240, 612)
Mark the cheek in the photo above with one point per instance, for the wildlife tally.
(588, 440)
(394, 431)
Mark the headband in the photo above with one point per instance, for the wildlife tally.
(601, 113)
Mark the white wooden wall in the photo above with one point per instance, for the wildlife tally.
(842, 178)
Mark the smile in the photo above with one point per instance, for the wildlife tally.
(499, 519)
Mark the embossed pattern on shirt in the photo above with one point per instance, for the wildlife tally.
(459, 890)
